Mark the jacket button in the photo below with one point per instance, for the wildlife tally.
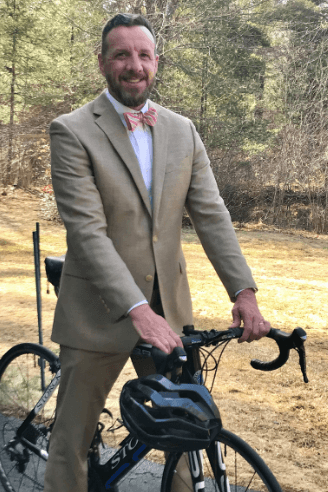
(155, 239)
(149, 278)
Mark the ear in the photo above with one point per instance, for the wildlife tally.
(101, 64)
(156, 64)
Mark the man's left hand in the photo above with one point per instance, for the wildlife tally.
(246, 309)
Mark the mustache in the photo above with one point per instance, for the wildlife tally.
(131, 74)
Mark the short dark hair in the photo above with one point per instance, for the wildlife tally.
(127, 20)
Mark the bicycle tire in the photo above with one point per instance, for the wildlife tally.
(21, 470)
(245, 469)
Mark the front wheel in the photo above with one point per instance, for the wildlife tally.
(22, 383)
(228, 465)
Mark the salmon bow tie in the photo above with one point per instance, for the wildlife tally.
(133, 119)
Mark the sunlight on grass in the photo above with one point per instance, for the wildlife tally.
(284, 419)
(291, 277)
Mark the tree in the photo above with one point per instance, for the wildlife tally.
(216, 75)
(301, 151)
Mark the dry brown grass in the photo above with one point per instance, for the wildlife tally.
(284, 419)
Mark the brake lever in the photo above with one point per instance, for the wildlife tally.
(285, 342)
(302, 359)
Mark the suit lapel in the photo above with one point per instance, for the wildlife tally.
(159, 159)
(111, 124)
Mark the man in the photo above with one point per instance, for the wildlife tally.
(121, 191)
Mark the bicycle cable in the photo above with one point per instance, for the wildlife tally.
(205, 368)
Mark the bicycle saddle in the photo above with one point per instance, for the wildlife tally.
(54, 266)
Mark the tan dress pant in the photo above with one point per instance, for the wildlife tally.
(86, 380)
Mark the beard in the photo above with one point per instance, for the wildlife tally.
(128, 98)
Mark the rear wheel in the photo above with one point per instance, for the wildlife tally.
(21, 387)
(230, 465)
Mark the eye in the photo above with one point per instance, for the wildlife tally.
(145, 55)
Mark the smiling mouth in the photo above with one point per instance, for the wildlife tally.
(133, 81)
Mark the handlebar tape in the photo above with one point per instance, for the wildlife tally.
(285, 343)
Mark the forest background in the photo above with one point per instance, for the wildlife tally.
(252, 75)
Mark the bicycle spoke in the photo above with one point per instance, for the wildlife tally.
(250, 482)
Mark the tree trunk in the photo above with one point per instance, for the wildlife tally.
(8, 171)
(203, 100)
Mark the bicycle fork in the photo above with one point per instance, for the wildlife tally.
(196, 464)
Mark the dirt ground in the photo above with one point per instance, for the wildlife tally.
(284, 419)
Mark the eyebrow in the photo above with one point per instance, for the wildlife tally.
(120, 50)
(127, 50)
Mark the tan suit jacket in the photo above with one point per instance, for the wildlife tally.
(115, 241)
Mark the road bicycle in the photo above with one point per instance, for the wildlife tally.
(27, 413)
(228, 464)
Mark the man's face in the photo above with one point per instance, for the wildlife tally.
(129, 65)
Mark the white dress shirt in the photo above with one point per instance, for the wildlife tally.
(141, 140)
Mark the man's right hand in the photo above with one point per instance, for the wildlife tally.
(154, 329)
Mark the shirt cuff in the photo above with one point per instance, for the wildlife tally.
(238, 292)
(136, 305)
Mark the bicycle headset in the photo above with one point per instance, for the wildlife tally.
(167, 416)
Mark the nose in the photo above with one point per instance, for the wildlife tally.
(134, 63)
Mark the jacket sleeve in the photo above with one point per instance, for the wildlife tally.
(213, 225)
(80, 206)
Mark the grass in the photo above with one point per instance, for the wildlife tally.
(284, 419)
(290, 271)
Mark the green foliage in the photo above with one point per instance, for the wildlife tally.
(50, 47)
(253, 77)
(305, 65)
(216, 73)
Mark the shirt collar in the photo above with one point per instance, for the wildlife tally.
(120, 108)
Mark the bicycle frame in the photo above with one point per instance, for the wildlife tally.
(131, 450)
(38, 407)
(121, 463)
